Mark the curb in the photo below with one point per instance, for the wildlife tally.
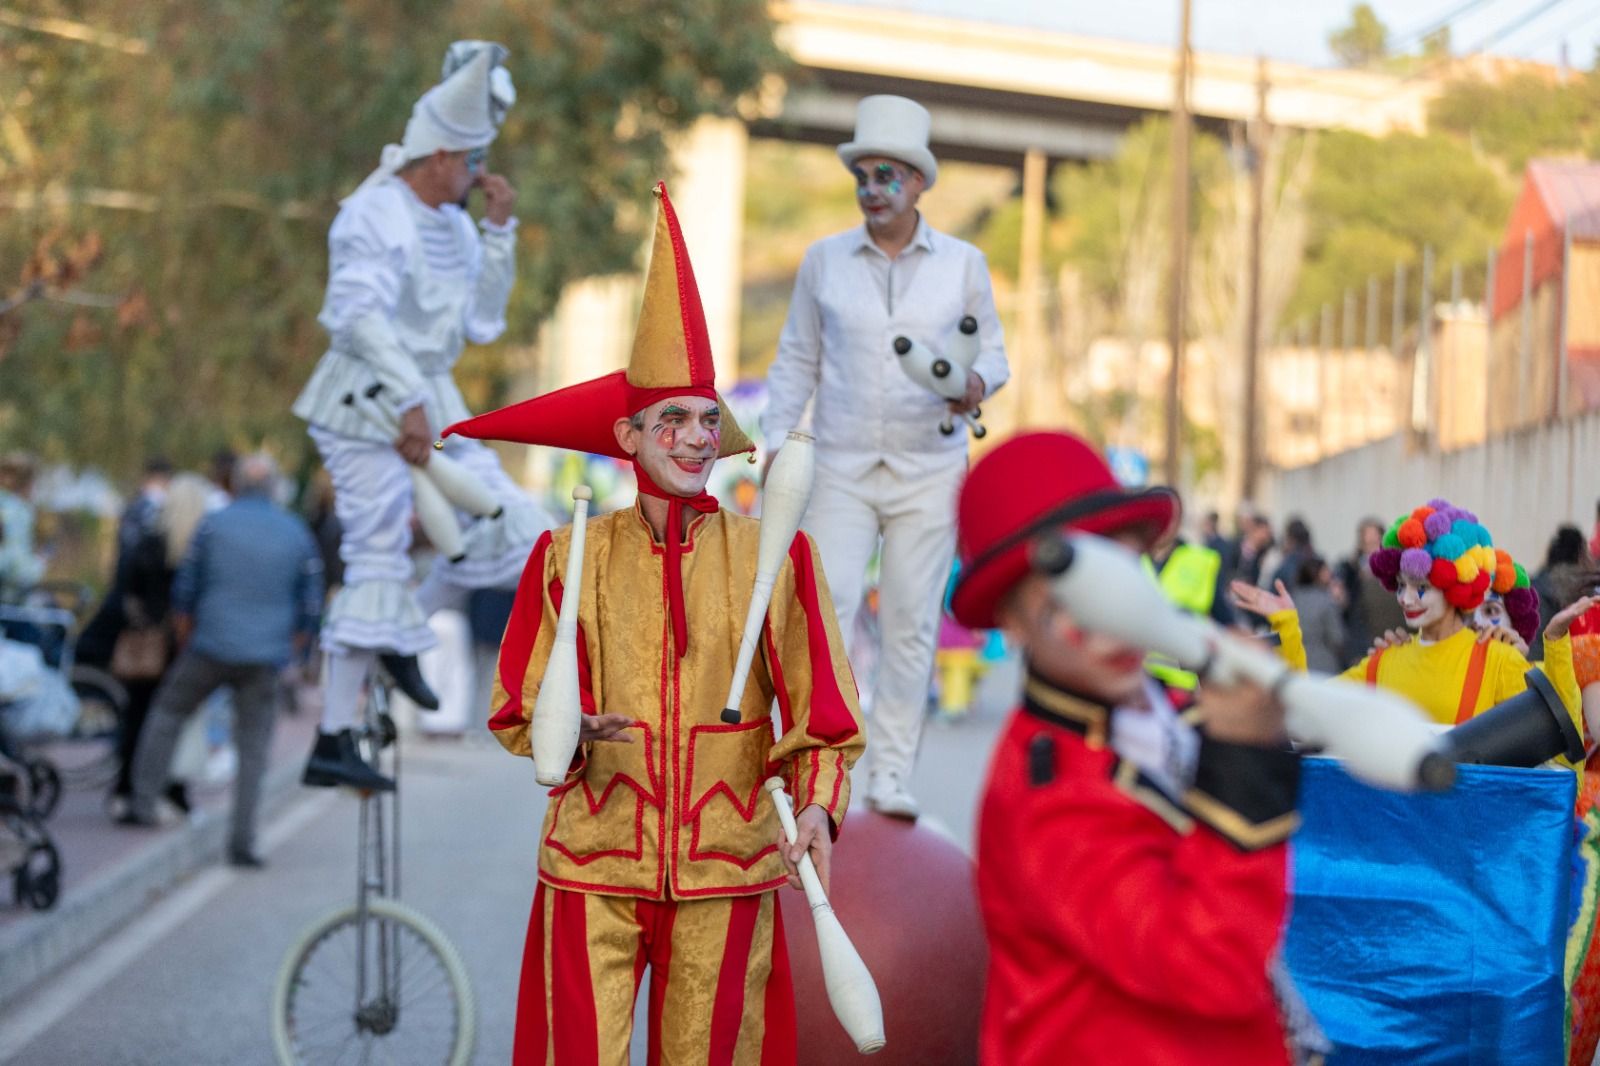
(32, 951)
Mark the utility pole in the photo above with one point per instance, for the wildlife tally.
(1178, 296)
(1260, 138)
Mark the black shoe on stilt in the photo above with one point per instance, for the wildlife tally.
(407, 676)
(335, 761)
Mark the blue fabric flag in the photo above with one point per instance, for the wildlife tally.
(1432, 928)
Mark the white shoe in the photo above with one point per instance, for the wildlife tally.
(887, 795)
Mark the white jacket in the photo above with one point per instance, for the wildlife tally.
(850, 302)
(392, 320)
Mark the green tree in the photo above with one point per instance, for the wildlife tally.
(1375, 202)
(1522, 116)
(206, 144)
(1363, 42)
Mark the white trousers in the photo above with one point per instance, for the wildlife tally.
(378, 608)
(914, 518)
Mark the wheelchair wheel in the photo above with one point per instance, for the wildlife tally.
(37, 882)
(44, 788)
(88, 758)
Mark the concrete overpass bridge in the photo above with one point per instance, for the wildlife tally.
(1001, 95)
(997, 91)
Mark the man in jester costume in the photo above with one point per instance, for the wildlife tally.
(659, 848)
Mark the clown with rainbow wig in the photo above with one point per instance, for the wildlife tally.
(1442, 566)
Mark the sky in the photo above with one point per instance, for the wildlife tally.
(1297, 30)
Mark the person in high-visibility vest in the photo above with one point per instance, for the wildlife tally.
(1191, 577)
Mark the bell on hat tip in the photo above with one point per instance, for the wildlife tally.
(660, 190)
(438, 445)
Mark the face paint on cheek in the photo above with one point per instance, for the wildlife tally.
(894, 188)
(666, 436)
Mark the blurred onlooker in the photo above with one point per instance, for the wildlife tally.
(145, 646)
(324, 522)
(221, 474)
(1211, 536)
(1193, 578)
(1370, 610)
(1321, 624)
(1296, 550)
(249, 591)
(1560, 581)
(20, 566)
(136, 524)
(1255, 545)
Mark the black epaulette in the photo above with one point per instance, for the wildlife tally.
(1041, 760)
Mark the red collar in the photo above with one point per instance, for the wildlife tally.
(705, 503)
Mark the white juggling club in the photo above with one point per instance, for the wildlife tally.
(434, 513)
(851, 989)
(557, 712)
(944, 376)
(1380, 736)
(460, 486)
(783, 503)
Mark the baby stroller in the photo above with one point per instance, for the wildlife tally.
(26, 851)
(50, 709)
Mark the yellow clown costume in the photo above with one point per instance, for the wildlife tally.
(662, 852)
(1461, 676)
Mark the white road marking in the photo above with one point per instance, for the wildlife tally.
(37, 1013)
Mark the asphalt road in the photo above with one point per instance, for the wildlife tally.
(190, 981)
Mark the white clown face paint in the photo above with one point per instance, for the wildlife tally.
(1491, 613)
(678, 444)
(1422, 604)
(886, 190)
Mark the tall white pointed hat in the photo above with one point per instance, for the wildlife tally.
(456, 116)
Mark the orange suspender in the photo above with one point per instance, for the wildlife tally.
(1470, 687)
(1474, 681)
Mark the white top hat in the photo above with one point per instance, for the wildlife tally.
(893, 127)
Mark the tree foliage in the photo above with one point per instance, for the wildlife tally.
(1363, 42)
(209, 167)
(1525, 115)
(1378, 202)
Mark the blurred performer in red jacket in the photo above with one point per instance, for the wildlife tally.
(1132, 864)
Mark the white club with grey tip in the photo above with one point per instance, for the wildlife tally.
(784, 497)
(852, 992)
(1381, 737)
(557, 718)
(946, 375)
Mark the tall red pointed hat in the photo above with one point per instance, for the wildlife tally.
(671, 357)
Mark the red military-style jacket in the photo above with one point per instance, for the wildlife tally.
(1126, 925)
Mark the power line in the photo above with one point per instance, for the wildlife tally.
(1515, 25)
(1562, 30)
(1441, 22)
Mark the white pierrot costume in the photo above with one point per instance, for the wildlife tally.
(408, 286)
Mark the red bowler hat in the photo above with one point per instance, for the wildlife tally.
(1031, 484)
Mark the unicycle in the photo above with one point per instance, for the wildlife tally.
(376, 981)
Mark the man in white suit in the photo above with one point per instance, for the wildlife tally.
(886, 476)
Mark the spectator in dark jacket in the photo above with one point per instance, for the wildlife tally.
(249, 590)
(1560, 581)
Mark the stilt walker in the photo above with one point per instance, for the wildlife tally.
(659, 848)
(873, 308)
(411, 280)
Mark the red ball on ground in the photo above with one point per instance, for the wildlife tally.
(907, 898)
